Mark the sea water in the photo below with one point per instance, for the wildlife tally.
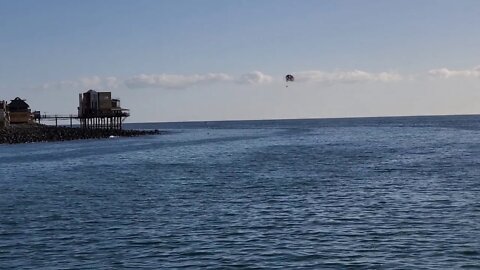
(372, 193)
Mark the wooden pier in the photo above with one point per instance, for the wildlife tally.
(39, 118)
(111, 120)
(96, 110)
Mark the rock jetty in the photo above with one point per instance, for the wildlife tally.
(44, 133)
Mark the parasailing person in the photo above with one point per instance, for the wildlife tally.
(289, 78)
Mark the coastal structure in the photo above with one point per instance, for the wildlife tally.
(100, 116)
(97, 110)
(4, 114)
(19, 111)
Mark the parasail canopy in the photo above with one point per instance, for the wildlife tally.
(289, 78)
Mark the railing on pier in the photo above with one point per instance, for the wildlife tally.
(46, 117)
(99, 120)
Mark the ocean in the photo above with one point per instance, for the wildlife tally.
(365, 193)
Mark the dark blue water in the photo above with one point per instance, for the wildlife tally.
(378, 193)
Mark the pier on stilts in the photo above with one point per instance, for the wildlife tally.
(96, 110)
(104, 121)
(92, 121)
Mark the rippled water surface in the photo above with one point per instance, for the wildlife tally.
(378, 193)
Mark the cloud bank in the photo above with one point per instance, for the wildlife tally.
(355, 76)
(255, 77)
(181, 81)
(93, 82)
(175, 81)
(159, 81)
(450, 73)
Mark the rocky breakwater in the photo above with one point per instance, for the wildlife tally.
(43, 133)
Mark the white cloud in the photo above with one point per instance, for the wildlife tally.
(179, 81)
(91, 82)
(355, 76)
(85, 83)
(448, 73)
(174, 80)
(60, 85)
(112, 82)
(255, 77)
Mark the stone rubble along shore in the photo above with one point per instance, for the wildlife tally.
(43, 133)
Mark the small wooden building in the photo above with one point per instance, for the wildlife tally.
(20, 112)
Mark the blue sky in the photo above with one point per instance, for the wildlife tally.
(216, 59)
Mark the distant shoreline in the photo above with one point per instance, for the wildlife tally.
(44, 133)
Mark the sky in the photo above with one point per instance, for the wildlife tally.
(192, 60)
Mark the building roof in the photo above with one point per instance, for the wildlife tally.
(18, 105)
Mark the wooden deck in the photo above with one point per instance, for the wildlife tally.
(110, 120)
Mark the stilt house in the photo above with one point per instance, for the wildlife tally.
(99, 110)
(20, 112)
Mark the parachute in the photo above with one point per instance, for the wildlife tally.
(289, 78)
